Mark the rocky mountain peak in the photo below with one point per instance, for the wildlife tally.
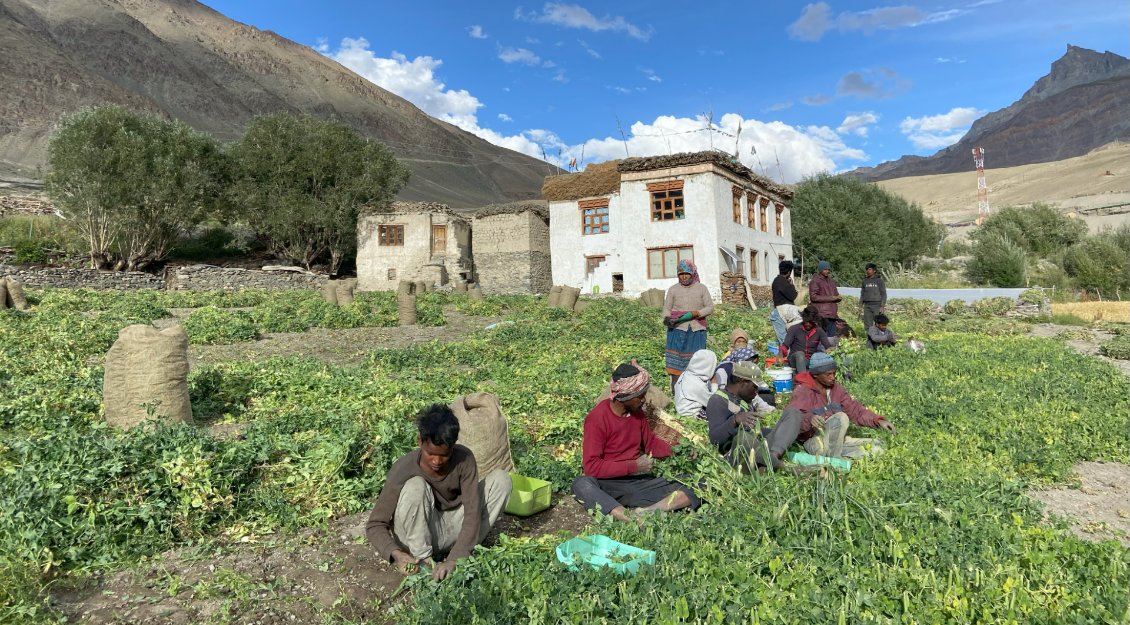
(1078, 66)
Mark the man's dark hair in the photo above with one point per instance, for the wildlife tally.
(625, 370)
(438, 425)
(883, 319)
(872, 266)
(785, 268)
(809, 314)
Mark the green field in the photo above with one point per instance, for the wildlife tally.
(938, 529)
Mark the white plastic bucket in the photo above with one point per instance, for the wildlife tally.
(782, 379)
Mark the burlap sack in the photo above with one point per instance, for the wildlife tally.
(3, 294)
(406, 288)
(329, 291)
(16, 298)
(147, 366)
(581, 305)
(422, 287)
(569, 297)
(655, 407)
(460, 287)
(475, 293)
(345, 290)
(554, 296)
(483, 430)
(406, 309)
(653, 298)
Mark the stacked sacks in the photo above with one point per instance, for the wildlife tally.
(568, 298)
(339, 292)
(3, 295)
(483, 430)
(12, 294)
(406, 288)
(475, 293)
(460, 287)
(653, 298)
(146, 371)
(406, 308)
(554, 296)
(581, 305)
(422, 287)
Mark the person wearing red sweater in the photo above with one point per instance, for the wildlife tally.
(826, 409)
(618, 455)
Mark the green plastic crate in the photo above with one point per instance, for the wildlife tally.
(799, 457)
(528, 495)
(597, 551)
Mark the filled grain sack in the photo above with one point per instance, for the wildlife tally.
(554, 296)
(16, 298)
(406, 309)
(483, 430)
(406, 288)
(345, 290)
(3, 294)
(422, 287)
(147, 367)
(569, 297)
(581, 305)
(475, 293)
(460, 287)
(329, 291)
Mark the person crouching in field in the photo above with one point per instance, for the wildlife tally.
(879, 335)
(734, 415)
(618, 449)
(433, 502)
(826, 410)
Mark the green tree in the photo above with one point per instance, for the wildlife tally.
(999, 261)
(130, 182)
(1040, 229)
(303, 182)
(851, 223)
(1101, 262)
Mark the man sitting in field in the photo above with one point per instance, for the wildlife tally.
(433, 502)
(826, 409)
(735, 423)
(618, 451)
(879, 334)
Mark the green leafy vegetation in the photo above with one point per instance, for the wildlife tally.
(938, 529)
(1117, 347)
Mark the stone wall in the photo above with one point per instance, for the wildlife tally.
(188, 278)
(511, 252)
(25, 205)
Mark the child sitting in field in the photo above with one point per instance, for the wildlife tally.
(879, 335)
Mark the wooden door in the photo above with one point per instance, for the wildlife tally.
(439, 239)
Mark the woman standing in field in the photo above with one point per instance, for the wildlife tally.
(685, 310)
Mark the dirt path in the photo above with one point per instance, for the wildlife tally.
(1099, 509)
(312, 576)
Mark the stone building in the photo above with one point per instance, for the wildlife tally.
(622, 226)
(510, 243)
(412, 241)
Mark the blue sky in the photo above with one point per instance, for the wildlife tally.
(823, 86)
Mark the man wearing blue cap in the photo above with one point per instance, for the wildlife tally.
(827, 409)
(825, 297)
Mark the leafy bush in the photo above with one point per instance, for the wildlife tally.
(1098, 263)
(998, 261)
(1068, 319)
(210, 243)
(1039, 229)
(851, 223)
(993, 306)
(1117, 347)
(1033, 296)
(216, 326)
(913, 307)
(955, 308)
(955, 247)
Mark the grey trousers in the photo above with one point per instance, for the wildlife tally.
(424, 530)
(835, 443)
(870, 309)
(798, 362)
(749, 448)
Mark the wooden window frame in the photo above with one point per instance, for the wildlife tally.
(754, 274)
(667, 201)
(647, 258)
(600, 221)
(750, 208)
(780, 219)
(390, 235)
(589, 262)
(763, 204)
(737, 191)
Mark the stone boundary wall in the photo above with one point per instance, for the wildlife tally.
(187, 278)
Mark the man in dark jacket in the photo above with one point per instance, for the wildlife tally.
(827, 409)
(872, 295)
(784, 292)
(825, 296)
(735, 424)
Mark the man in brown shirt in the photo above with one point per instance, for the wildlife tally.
(433, 502)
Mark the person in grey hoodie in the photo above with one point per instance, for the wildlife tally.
(872, 295)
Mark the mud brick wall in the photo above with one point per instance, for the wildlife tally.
(211, 278)
(511, 253)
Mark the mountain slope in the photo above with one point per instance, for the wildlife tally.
(182, 59)
(1081, 105)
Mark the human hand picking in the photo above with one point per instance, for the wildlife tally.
(644, 464)
(405, 563)
(746, 419)
(818, 420)
(887, 426)
(443, 569)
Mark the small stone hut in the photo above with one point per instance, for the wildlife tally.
(413, 241)
(511, 248)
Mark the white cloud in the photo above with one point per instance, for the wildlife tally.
(780, 106)
(946, 59)
(801, 151)
(878, 84)
(938, 131)
(476, 32)
(518, 55)
(576, 16)
(650, 73)
(414, 80)
(503, 117)
(857, 124)
(817, 19)
(560, 76)
(585, 45)
(819, 99)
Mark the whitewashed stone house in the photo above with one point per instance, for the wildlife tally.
(510, 245)
(622, 226)
(413, 241)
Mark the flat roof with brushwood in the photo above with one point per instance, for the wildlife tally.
(538, 207)
(402, 207)
(604, 178)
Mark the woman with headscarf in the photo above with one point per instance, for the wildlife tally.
(696, 384)
(685, 310)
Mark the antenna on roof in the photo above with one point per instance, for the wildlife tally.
(737, 140)
(780, 174)
(710, 126)
(753, 150)
(624, 138)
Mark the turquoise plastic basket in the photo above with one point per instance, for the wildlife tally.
(799, 457)
(601, 551)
